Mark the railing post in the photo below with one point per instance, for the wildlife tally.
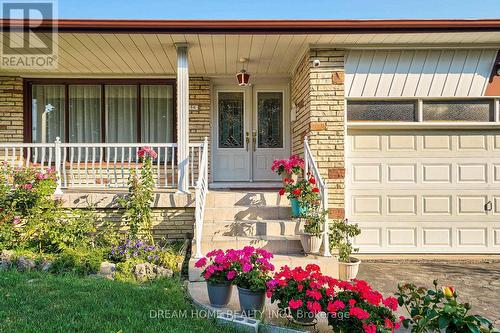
(57, 153)
(326, 224)
(306, 163)
(205, 146)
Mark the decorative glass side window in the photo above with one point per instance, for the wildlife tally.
(459, 110)
(270, 119)
(381, 110)
(231, 119)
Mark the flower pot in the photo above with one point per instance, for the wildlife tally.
(349, 270)
(219, 294)
(310, 243)
(251, 302)
(297, 209)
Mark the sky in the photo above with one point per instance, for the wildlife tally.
(278, 9)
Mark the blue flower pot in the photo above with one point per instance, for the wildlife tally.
(297, 209)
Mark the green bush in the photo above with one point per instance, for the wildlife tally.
(79, 261)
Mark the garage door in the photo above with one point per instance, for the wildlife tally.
(424, 190)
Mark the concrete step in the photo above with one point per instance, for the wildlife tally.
(253, 228)
(328, 265)
(247, 213)
(245, 198)
(273, 244)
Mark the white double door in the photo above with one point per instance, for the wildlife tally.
(251, 128)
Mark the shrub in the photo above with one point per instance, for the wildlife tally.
(432, 310)
(341, 231)
(137, 205)
(78, 261)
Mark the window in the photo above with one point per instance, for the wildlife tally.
(270, 119)
(451, 110)
(381, 111)
(91, 111)
(48, 112)
(467, 110)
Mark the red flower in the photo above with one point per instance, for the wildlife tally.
(391, 303)
(294, 305)
(359, 313)
(315, 190)
(200, 263)
(312, 180)
(314, 307)
(147, 151)
(369, 328)
(282, 191)
(352, 302)
(300, 287)
(314, 294)
(297, 191)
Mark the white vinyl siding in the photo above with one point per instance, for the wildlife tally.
(418, 73)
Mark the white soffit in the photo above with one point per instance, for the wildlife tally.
(418, 73)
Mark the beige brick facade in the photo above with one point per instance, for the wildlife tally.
(318, 93)
(11, 109)
(200, 104)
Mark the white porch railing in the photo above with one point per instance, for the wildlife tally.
(200, 197)
(310, 166)
(101, 165)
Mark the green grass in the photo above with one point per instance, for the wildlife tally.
(41, 302)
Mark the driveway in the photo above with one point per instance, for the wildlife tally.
(476, 283)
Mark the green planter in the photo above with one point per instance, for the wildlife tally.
(297, 209)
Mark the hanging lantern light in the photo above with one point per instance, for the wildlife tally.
(243, 77)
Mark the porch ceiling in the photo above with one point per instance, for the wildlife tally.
(153, 54)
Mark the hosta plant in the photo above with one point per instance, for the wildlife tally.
(438, 310)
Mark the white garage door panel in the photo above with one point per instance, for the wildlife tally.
(426, 191)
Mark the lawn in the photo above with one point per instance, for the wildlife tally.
(41, 302)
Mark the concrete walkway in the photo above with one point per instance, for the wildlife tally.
(478, 284)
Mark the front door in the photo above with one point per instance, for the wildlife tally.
(251, 130)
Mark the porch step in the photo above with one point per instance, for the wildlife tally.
(245, 198)
(239, 213)
(328, 265)
(245, 228)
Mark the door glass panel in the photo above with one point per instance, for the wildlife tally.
(270, 119)
(231, 120)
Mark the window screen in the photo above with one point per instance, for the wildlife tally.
(381, 110)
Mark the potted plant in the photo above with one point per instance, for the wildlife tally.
(438, 309)
(253, 269)
(289, 168)
(341, 232)
(219, 274)
(303, 194)
(298, 292)
(310, 238)
(353, 306)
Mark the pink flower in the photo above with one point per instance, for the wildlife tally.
(294, 305)
(41, 176)
(231, 275)
(28, 186)
(16, 220)
(200, 263)
(359, 313)
(147, 151)
(391, 303)
(246, 267)
(352, 302)
(314, 294)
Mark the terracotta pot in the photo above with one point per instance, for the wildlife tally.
(349, 270)
(219, 294)
(310, 243)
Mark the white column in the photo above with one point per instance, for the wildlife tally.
(182, 117)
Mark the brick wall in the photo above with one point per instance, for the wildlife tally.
(11, 109)
(199, 113)
(321, 118)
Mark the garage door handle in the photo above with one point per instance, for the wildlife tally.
(488, 206)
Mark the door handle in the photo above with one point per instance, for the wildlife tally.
(254, 140)
(247, 139)
(488, 207)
